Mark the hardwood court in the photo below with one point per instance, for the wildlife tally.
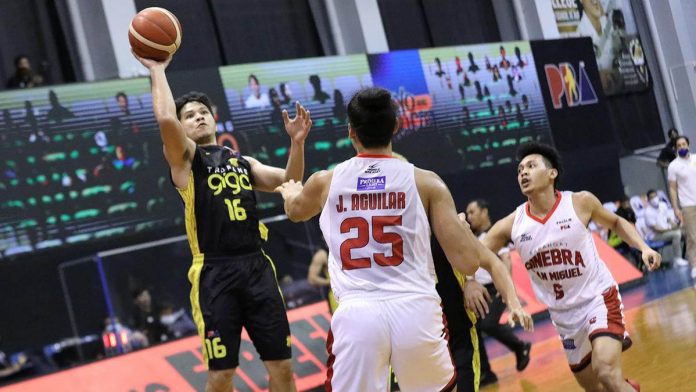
(663, 356)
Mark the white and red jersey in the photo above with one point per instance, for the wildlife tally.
(377, 231)
(560, 256)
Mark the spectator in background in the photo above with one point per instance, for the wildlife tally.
(57, 113)
(256, 100)
(319, 94)
(277, 112)
(473, 67)
(318, 276)
(176, 322)
(669, 151)
(489, 315)
(122, 100)
(147, 316)
(681, 175)
(24, 76)
(625, 211)
(286, 93)
(339, 109)
(661, 225)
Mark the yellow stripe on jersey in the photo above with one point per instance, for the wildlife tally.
(188, 195)
(476, 358)
(194, 276)
(275, 275)
(263, 232)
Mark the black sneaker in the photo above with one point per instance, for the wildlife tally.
(523, 356)
(487, 379)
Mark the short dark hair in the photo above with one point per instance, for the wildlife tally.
(481, 203)
(372, 115)
(121, 94)
(683, 137)
(551, 156)
(650, 191)
(19, 58)
(192, 96)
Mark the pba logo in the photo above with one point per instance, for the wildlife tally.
(575, 86)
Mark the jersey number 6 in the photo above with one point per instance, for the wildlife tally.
(363, 238)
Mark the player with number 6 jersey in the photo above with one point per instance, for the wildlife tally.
(375, 211)
(550, 233)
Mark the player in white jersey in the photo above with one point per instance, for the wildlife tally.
(550, 233)
(374, 217)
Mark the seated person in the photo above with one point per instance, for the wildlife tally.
(177, 322)
(146, 319)
(661, 225)
(257, 99)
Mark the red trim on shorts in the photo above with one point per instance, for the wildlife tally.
(578, 367)
(615, 325)
(361, 155)
(548, 215)
(329, 362)
(453, 381)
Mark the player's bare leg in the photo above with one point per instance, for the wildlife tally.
(588, 380)
(219, 380)
(280, 375)
(606, 364)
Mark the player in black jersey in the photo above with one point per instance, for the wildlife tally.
(233, 283)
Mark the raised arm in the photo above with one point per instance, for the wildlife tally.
(178, 148)
(303, 203)
(268, 178)
(589, 208)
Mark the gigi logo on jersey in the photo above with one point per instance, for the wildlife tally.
(234, 181)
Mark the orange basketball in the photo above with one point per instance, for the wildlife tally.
(154, 33)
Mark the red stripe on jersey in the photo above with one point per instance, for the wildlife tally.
(329, 362)
(548, 215)
(615, 324)
(453, 381)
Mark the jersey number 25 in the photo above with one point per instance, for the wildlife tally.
(363, 238)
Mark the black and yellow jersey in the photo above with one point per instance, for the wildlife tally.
(220, 204)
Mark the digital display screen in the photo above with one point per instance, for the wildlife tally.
(81, 163)
(84, 162)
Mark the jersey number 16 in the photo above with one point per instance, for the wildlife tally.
(363, 239)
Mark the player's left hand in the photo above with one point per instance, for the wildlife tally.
(299, 126)
(651, 259)
(519, 315)
(289, 188)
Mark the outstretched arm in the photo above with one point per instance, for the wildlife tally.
(497, 237)
(267, 178)
(178, 148)
(302, 203)
(589, 205)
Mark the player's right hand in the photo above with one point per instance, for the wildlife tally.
(519, 315)
(149, 64)
(476, 298)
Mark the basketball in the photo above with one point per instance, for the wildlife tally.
(154, 33)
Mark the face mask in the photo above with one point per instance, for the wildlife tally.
(655, 201)
(682, 152)
(168, 319)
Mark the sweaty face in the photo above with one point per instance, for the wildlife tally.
(475, 216)
(198, 122)
(533, 174)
